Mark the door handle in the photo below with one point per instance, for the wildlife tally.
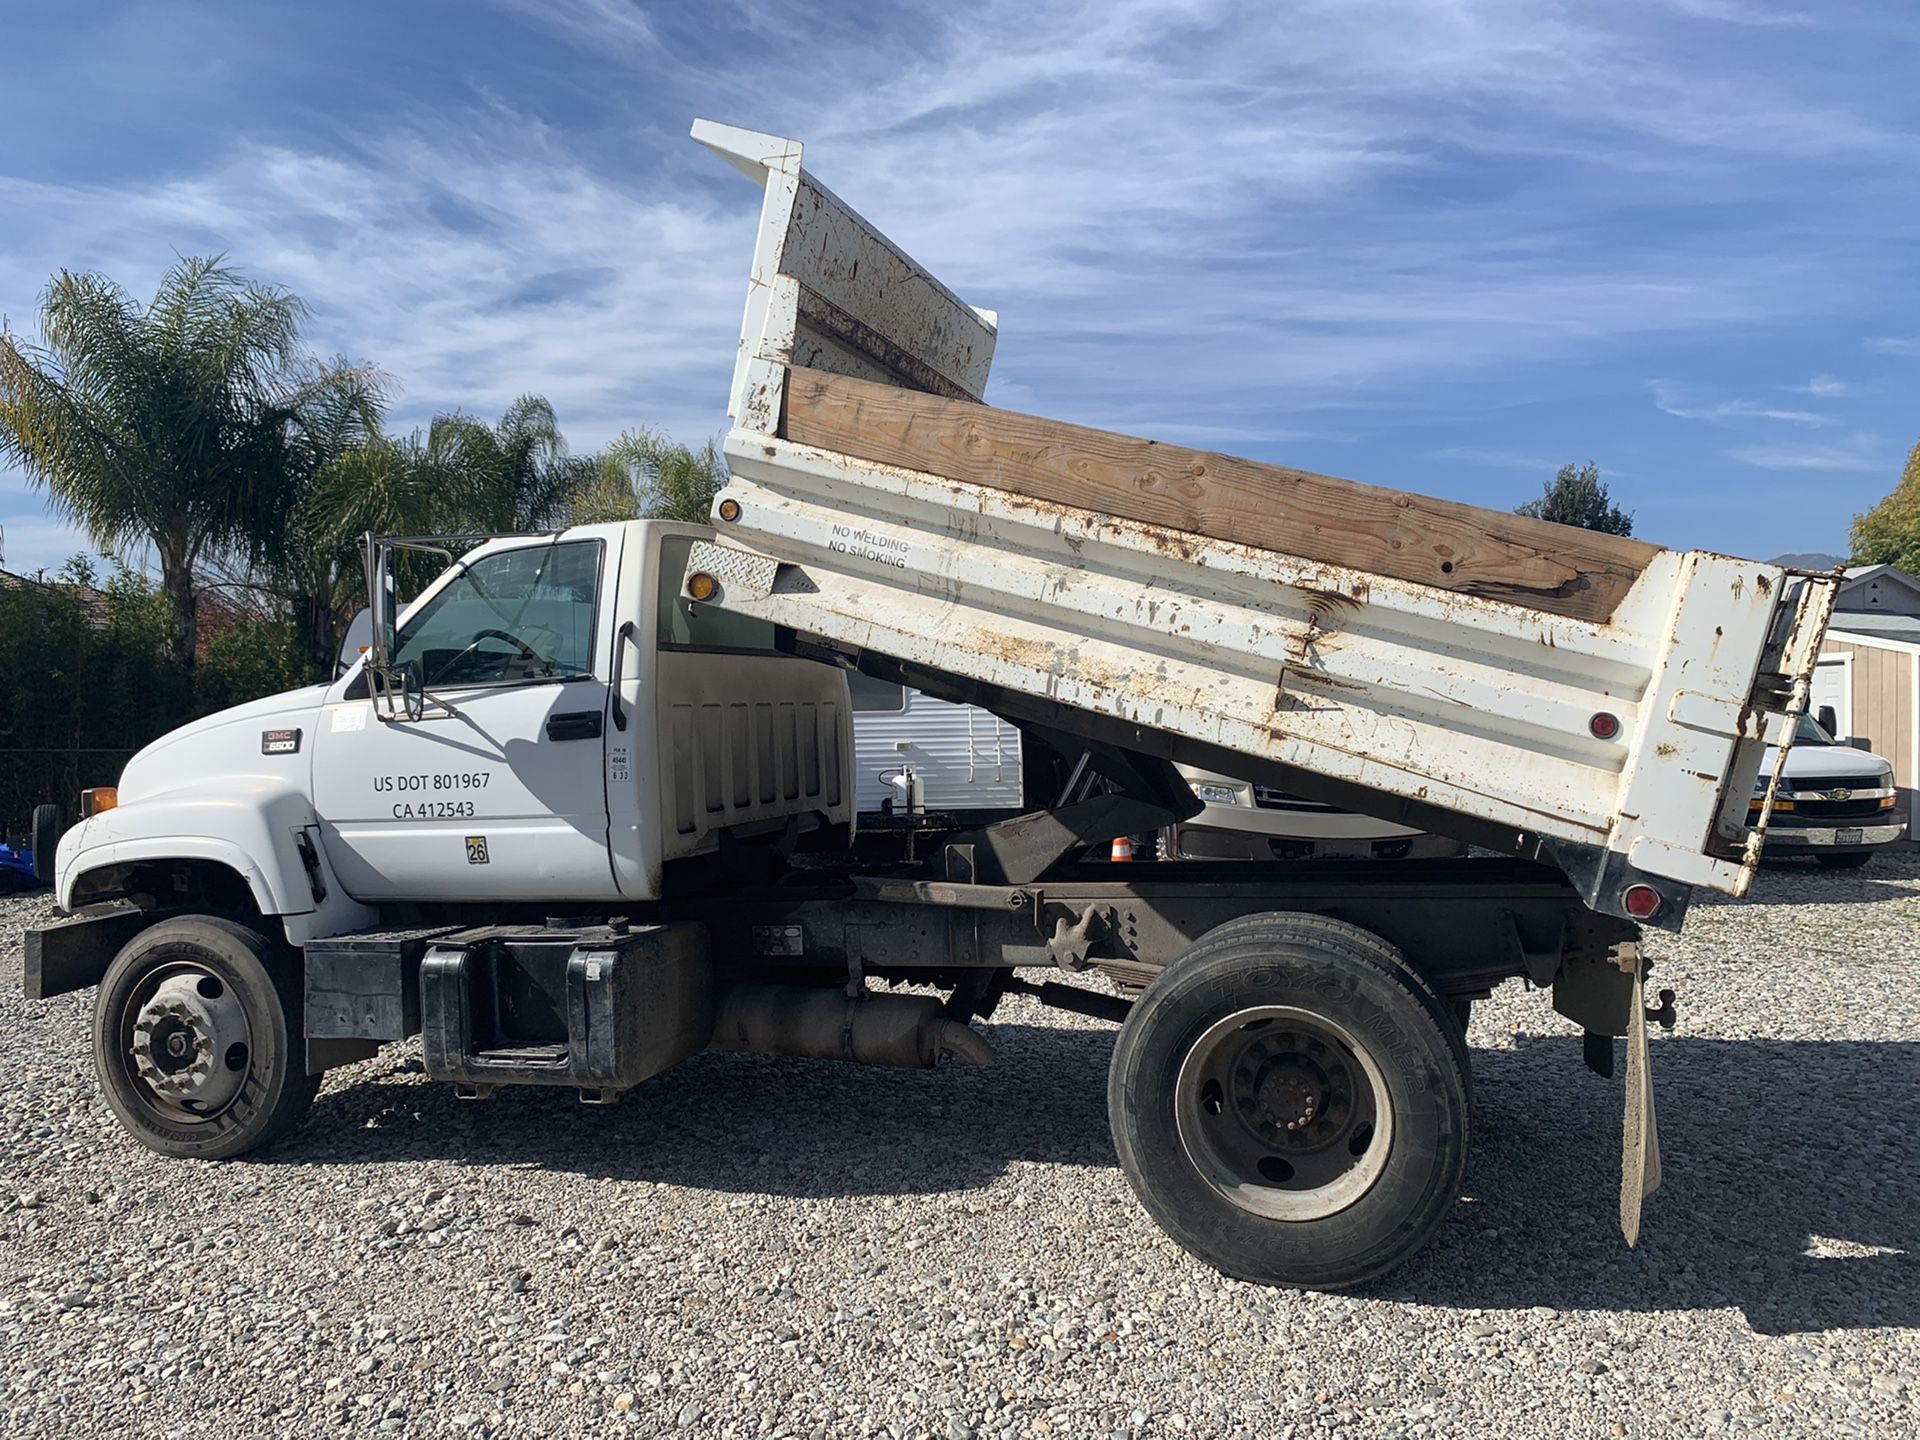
(620, 639)
(574, 725)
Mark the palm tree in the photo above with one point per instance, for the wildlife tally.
(643, 473)
(167, 424)
(516, 475)
(349, 478)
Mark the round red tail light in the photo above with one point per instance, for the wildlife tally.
(1642, 902)
(1603, 725)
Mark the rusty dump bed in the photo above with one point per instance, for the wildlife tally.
(1535, 687)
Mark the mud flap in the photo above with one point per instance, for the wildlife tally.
(1639, 1134)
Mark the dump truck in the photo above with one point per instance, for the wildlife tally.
(585, 808)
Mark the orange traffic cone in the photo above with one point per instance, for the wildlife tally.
(1122, 848)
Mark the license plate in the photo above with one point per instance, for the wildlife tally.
(1846, 837)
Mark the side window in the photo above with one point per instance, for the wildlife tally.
(685, 625)
(871, 695)
(512, 617)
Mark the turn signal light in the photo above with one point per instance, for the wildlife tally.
(729, 509)
(1642, 902)
(98, 800)
(702, 586)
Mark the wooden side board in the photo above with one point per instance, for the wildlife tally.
(1556, 568)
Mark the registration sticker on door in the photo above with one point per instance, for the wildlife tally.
(617, 763)
(476, 850)
(1847, 837)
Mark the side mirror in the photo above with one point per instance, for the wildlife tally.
(399, 693)
(378, 562)
(1829, 720)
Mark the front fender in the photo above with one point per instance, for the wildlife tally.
(252, 827)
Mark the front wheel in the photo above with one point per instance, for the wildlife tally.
(1290, 1103)
(198, 1039)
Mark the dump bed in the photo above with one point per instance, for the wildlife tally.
(1536, 687)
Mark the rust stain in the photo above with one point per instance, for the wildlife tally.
(1763, 584)
(1665, 748)
(1321, 680)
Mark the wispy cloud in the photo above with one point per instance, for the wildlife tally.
(1857, 457)
(473, 268)
(1499, 459)
(1685, 402)
(609, 24)
(1387, 206)
(1894, 344)
(1741, 12)
(1822, 387)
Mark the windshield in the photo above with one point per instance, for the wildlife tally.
(1807, 731)
(510, 617)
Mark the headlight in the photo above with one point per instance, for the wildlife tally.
(1217, 794)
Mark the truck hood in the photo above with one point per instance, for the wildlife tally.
(226, 745)
(1835, 761)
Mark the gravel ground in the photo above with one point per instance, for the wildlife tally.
(756, 1247)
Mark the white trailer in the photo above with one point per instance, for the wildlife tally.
(586, 806)
(914, 754)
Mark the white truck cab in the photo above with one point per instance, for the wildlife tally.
(565, 724)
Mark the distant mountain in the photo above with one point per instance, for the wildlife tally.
(1812, 560)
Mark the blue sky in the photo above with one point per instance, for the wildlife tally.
(1445, 246)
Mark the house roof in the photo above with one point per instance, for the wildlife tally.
(1886, 589)
(93, 603)
(1879, 623)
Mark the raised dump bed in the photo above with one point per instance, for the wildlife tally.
(1537, 688)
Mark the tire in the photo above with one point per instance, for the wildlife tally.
(1845, 860)
(46, 828)
(1458, 1012)
(1381, 1105)
(198, 1039)
(1463, 1016)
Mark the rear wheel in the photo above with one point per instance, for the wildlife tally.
(1290, 1103)
(1845, 860)
(197, 1039)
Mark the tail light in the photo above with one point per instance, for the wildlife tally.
(1642, 902)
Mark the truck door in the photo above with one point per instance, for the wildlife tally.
(498, 791)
